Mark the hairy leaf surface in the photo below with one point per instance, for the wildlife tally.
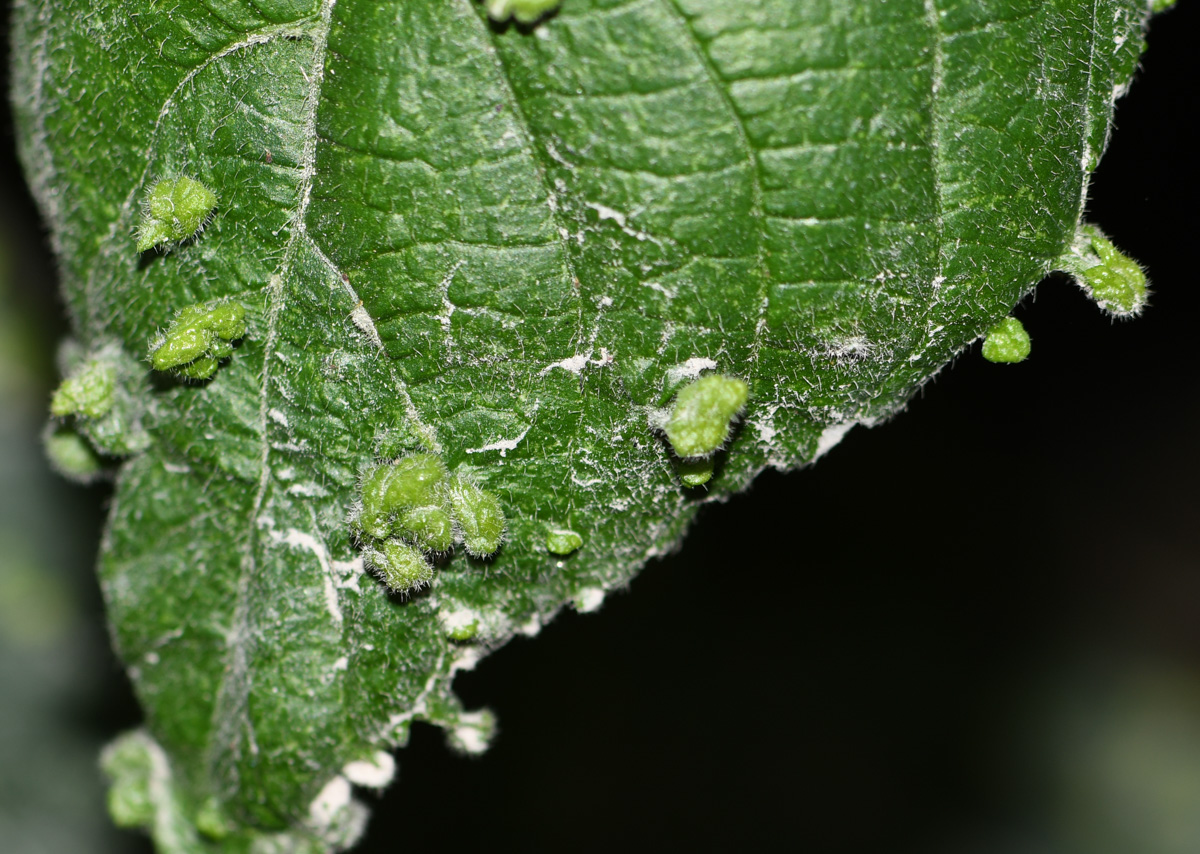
(508, 246)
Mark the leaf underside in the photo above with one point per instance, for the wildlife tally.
(508, 246)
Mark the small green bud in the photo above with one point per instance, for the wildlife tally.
(1117, 283)
(88, 392)
(1007, 341)
(525, 11)
(211, 821)
(403, 567)
(693, 473)
(175, 209)
(129, 765)
(479, 517)
(198, 338)
(465, 632)
(703, 413)
(200, 369)
(71, 455)
(430, 528)
(415, 482)
(562, 541)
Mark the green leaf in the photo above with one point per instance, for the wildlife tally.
(507, 248)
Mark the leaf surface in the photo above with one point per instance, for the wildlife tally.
(509, 247)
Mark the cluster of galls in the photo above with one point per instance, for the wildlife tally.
(198, 339)
(412, 508)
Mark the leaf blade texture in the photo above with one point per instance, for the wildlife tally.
(509, 247)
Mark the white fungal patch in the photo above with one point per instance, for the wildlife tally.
(830, 436)
(362, 319)
(574, 365)
(374, 773)
(348, 572)
(501, 445)
(472, 732)
(459, 620)
(605, 212)
(278, 417)
(299, 539)
(330, 801)
(689, 370)
(589, 599)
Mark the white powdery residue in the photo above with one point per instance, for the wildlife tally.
(331, 800)
(690, 369)
(299, 539)
(575, 364)
(501, 445)
(605, 302)
(176, 468)
(669, 293)
(471, 732)
(362, 319)
(459, 620)
(307, 490)
(588, 599)
(448, 307)
(374, 773)
(278, 417)
(766, 427)
(830, 436)
(466, 660)
(342, 663)
(348, 572)
(530, 628)
(419, 706)
(606, 212)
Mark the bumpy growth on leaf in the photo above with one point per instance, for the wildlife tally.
(699, 422)
(70, 454)
(507, 248)
(199, 337)
(1007, 341)
(563, 541)
(175, 209)
(693, 473)
(479, 517)
(524, 11)
(403, 567)
(1115, 281)
(89, 392)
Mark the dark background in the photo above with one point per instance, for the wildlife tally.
(946, 636)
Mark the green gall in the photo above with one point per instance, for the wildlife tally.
(1117, 283)
(479, 516)
(1111, 278)
(402, 567)
(430, 528)
(129, 765)
(703, 413)
(562, 541)
(71, 455)
(211, 821)
(415, 482)
(524, 11)
(198, 338)
(89, 391)
(174, 210)
(465, 632)
(693, 473)
(1007, 341)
